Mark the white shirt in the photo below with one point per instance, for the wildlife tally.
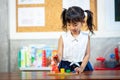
(74, 48)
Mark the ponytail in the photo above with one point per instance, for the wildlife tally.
(63, 17)
(90, 20)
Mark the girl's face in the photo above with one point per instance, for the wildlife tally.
(74, 27)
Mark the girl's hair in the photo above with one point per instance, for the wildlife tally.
(76, 14)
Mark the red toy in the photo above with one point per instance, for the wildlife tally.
(43, 58)
(55, 69)
(102, 59)
(116, 54)
(54, 64)
(100, 62)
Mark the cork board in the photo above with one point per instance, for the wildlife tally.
(53, 9)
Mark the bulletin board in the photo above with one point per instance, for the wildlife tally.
(48, 20)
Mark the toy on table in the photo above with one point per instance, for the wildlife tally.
(62, 70)
(111, 63)
(55, 70)
(100, 61)
(68, 71)
(54, 64)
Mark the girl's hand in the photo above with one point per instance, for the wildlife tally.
(78, 70)
(48, 61)
(54, 60)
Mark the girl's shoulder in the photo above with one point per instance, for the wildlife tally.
(84, 34)
(65, 34)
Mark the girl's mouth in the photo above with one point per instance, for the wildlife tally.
(74, 30)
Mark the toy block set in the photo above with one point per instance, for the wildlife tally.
(34, 56)
(113, 63)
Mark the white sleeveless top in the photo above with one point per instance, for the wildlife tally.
(74, 48)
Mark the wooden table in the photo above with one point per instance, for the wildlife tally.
(88, 75)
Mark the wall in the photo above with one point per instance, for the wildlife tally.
(4, 35)
(105, 23)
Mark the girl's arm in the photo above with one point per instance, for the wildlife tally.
(60, 48)
(86, 58)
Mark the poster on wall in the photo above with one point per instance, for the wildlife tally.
(30, 1)
(117, 11)
(31, 17)
(84, 4)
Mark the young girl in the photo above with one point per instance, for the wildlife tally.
(74, 45)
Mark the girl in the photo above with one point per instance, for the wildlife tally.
(74, 45)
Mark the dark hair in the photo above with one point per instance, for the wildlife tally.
(76, 14)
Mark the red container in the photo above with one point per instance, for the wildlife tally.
(100, 62)
(44, 61)
(116, 54)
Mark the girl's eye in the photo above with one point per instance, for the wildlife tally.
(75, 24)
(68, 24)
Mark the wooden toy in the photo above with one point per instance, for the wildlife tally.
(54, 64)
(55, 69)
(68, 71)
(62, 70)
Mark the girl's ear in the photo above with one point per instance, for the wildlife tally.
(68, 28)
(85, 19)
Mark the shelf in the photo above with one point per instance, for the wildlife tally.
(97, 68)
(36, 68)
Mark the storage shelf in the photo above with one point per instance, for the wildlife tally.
(97, 68)
(35, 68)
